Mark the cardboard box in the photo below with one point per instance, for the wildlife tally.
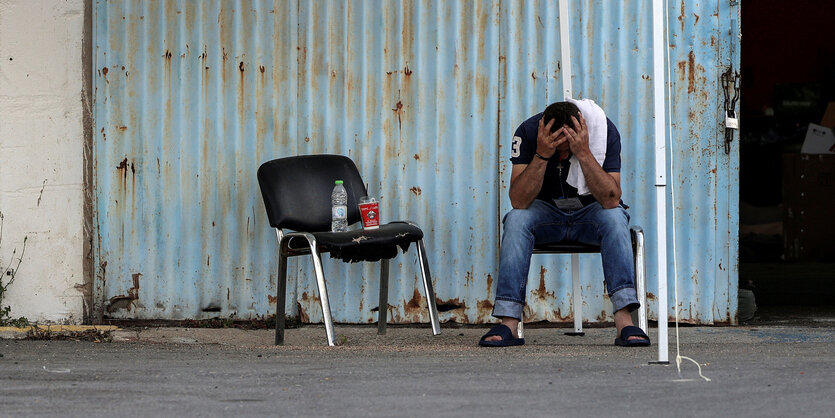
(819, 140)
(809, 207)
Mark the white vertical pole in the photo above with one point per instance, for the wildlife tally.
(565, 50)
(565, 69)
(659, 77)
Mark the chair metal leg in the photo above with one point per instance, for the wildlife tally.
(323, 291)
(382, 313)
(577, 308)
(640, 276)
(281, 292)
(427, 287)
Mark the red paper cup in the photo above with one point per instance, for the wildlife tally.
(370, 212)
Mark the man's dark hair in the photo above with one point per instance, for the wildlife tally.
(561, 112)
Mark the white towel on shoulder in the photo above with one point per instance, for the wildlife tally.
(598, 129)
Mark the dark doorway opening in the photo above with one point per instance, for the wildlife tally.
(787, 199)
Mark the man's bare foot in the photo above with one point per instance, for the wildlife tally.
(623, 319)
(511, 323)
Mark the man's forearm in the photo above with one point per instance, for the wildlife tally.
(525, 187)
(603, 187)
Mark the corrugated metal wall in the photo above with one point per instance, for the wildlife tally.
(191, 96)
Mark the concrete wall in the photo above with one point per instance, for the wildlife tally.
(43, 114)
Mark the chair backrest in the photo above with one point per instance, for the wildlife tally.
(297, 190)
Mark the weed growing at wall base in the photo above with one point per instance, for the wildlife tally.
(7, 276)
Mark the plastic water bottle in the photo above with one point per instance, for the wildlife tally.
(339, 208)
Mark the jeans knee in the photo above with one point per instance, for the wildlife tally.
(614, 219)
(518, 219)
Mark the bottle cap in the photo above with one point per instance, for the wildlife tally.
(338, 182)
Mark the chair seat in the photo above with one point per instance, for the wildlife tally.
(364, 244)
(565, 248)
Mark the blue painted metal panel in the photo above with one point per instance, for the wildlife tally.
(409, 90)
(425, 97)
(189, 97)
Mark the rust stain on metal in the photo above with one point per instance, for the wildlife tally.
(406, 71)
(241, 66)
(449, 305)
(122, 128)
(688, 71)
(417, 156)
(697, 18)
(691, 74)
(533, 75)
(489, 283)
(398, 108)
(414, 304)
(103, 135)
(541, 292)
(307, 139)
(125, 301)
(485, 308)
(262, 69)
(133, 292)
(123, 167)
(167, 54)
(303, 316)
(307, 299)
(682, 15)
(416, 190)
(271, 299)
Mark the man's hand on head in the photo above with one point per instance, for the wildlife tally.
(578, 137)
(547, 141)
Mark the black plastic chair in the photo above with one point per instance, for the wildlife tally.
(297, 196)
(575, 249)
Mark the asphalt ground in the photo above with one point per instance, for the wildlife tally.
(756, 369)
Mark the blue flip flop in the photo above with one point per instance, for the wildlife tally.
(629, 331)
(503, 331)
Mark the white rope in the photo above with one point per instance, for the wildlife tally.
(679, 357)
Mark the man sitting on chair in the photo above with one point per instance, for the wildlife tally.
(565, 186)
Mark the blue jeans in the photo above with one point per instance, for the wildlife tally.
(542, 223)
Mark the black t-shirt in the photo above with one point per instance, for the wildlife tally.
(554, 186)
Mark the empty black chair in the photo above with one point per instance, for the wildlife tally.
(297, 197)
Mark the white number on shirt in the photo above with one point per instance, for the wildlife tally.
(515, 146)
